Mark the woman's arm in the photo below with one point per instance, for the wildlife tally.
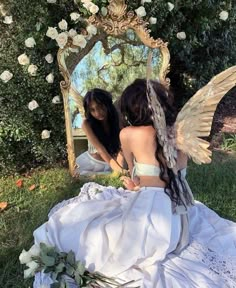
(99, 147)
(131, 184)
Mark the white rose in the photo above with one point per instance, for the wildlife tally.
(31, 270)
(152, 20)
(141, 12)
(72, 33)
(92, 30)
(145, 1)
(52, 33)
(63, 25)
(181, 35)
(30, 42)
(51, 1)
(25, 257)
(6, 76)
(62, 39)
(45, 134)
(86, 1)
(49, 58)
(56, 100)
(93, 8)
(74, 16)
(34, 250)
(33, 105)
(170, 6)
(87, 5)
(224, 15)
(104, 11)
(23, 59)
(50, 78)
(8, 20)
(79, 40)
(32, 70)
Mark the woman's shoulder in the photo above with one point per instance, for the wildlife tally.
(137, 130)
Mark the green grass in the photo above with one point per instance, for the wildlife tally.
(213, 184)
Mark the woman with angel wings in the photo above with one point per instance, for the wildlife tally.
(153, 233)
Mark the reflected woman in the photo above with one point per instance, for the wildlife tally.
(101, 126)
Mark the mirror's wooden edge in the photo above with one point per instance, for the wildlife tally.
(65, 87)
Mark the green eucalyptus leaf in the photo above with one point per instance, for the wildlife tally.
(80, 268)
(70, 270)
(71, 258)
(48, 260)
(60, 267)
(55, 285)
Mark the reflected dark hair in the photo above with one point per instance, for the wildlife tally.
(136, 111)
(103, 98)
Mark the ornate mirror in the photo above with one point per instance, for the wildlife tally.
(111, 60)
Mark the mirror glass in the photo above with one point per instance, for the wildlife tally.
(112, 64)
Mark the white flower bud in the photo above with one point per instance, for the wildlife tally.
(63, 25)
(30, 42)
(25, 257)
(79, 40)
(72, 33)
(62, 39)
(45, 134)
(170, 6)
(7, 20)
(52, 33)
(31, 270)
(23, 59)
(56, 100)
(141, 12)
(181, 35)
(152, 20)
(6, 76)
(224, 15)
(145, 1)
(49, 58)
(33, 105)
(74, 16)
(51, 1)
(32, 70)
(92, 30)
(93, 8)
(50, 78)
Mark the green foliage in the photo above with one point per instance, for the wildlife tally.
(209, 48)
(229, 142)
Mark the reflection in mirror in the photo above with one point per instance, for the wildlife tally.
(114, 63)
(111, 64)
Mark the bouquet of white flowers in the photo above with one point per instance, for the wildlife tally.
(63, 268)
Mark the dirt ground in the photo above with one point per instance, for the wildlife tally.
(224, 120)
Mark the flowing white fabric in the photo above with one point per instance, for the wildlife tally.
(134, 235)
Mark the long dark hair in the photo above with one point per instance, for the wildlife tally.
(137, 112)
(110, 140)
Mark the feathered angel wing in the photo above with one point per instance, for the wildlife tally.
(195, 118)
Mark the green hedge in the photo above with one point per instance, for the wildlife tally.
(209, 48)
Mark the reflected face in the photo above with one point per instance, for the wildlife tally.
(98, 111)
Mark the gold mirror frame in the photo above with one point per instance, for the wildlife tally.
(116, 22)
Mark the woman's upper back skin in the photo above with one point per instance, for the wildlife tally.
(142, 143)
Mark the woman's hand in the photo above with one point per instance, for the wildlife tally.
(129, 183)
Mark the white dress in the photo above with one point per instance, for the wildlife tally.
(135, 235)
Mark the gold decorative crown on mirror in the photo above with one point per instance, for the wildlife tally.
(115, 27)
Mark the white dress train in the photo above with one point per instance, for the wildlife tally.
(133, 236)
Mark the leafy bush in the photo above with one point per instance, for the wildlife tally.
(208, 49)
